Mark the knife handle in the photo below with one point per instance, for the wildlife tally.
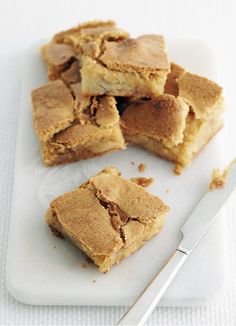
(141, 309)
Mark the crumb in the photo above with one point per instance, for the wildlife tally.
(89, 260)
(84, 265)
(218, 178)
(94, 281)
(167, 190)
(177, 169)
(144, 182)
(54, 247)
(132, 162)
(142, 167)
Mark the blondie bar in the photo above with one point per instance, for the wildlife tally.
(71, 126)
(130, 67)
(176, 126)
(108, 217)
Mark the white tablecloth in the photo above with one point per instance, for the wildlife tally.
(22, 23)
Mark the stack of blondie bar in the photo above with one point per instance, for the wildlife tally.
(107, 90)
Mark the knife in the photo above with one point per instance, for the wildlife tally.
(193, 230)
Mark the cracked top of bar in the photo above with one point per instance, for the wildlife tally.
(87, 212)
(82, 216)
(132, 199)
(147, 53)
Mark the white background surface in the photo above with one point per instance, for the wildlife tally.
(24, 22)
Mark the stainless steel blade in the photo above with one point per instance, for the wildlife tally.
(205, 213)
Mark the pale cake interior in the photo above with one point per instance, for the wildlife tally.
(98, 79)
(106, 217)
(130, 66)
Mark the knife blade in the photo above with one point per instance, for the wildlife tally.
(193, 230)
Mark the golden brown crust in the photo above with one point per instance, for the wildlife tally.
(163, 119)
(83, 217)
(146, 54)
(52, 109)
(202, 94)
(171, 85)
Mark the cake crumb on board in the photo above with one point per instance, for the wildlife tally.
(142, 167)
(218, 178)
(84, 265)
(177, 169)
(132, 162)
(167, 190)
(144, 182)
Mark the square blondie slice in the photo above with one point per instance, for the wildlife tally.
(72, 127)
(108, 217)
(131, 67)
(177, 125)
